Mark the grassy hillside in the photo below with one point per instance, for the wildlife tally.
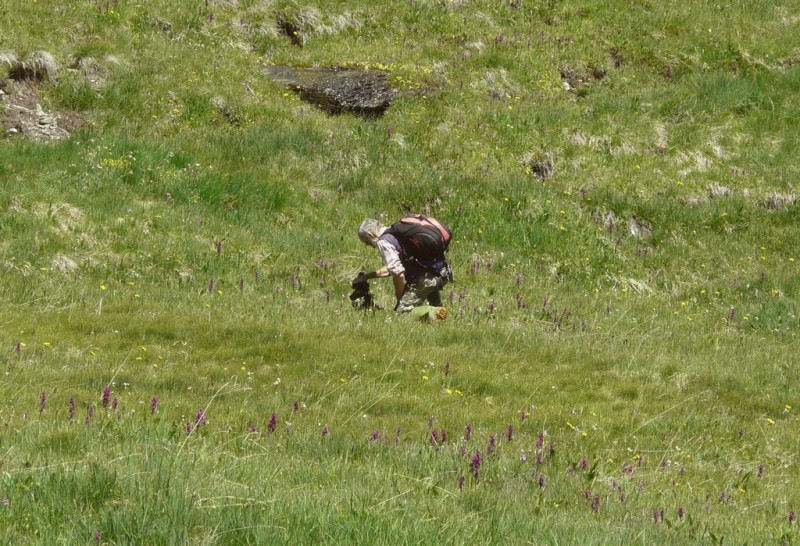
(182, 363)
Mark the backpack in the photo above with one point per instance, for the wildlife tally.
(427, 238)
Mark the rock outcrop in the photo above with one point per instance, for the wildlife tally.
(365, 93)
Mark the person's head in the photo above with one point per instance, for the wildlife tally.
(369, 231)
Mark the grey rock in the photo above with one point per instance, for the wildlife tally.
(365, 93)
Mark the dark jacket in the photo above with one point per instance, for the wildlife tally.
(414, 268)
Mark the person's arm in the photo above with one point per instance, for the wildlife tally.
(399, 285)
(393, 268)
(377, 274)
(391, 259)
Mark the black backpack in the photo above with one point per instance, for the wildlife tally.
(427, 238)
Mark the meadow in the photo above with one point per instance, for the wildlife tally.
(181, 362)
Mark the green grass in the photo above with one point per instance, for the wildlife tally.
(621, 334)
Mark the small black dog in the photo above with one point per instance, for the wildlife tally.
(361, 297)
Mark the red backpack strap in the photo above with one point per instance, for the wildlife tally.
(440, 227)
(423, 220)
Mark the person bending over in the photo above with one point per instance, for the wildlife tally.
(418, 273)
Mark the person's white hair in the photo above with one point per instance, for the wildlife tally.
(369, 230)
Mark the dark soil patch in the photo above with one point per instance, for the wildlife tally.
(290, 30)
(21, 114)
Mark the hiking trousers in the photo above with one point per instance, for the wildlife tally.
(425, 289)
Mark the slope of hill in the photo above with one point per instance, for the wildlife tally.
(178, 234)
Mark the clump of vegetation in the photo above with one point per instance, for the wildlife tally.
(38, 66)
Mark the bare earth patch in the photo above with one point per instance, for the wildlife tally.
(21, 114)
